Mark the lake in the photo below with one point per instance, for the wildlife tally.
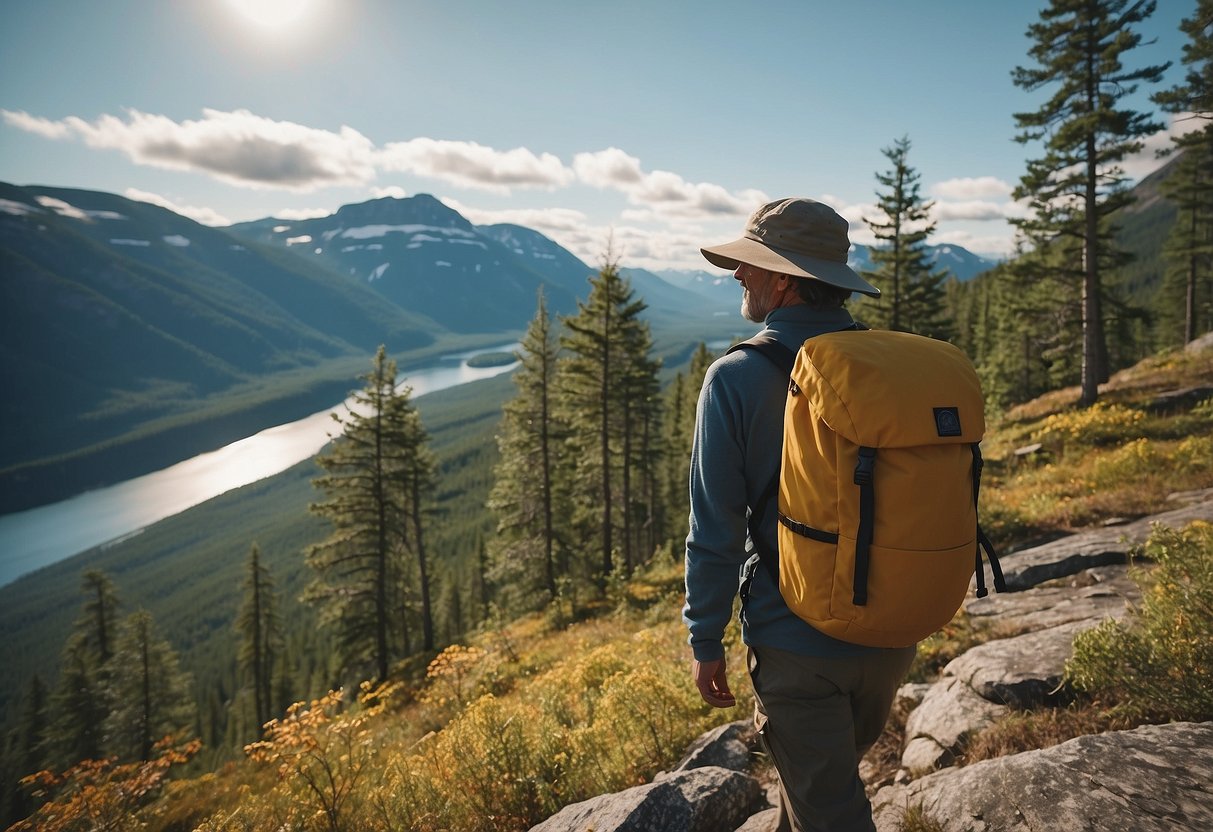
(47, 534)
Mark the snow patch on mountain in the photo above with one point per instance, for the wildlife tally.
(176, 240)
(364, 232)
(378, 272)
(125, 242)
(295, 241)
(19, 209)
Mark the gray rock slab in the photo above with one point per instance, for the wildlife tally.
(1103, 592)
(937, 729)
(723, 746)
(1020, 672)
(765, 821)
(1157, 778)
(1097, 547)
(709, 799)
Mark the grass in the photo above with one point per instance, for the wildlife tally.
(1121, 458)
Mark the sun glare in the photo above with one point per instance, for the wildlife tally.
(274, 14)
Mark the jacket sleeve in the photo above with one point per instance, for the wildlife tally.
(716, 543)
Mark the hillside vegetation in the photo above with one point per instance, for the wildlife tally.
(523, 717)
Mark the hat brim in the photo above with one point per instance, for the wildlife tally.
(731, 255)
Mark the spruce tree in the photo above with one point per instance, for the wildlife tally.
(378, 478)
(414, 480)
(78, 705)
(681, 400)
(1075, 186)
(527, 494)
(260, 630)
(1188, 291)
(912, 296)
(99, 614)
(606, 343)
(150, 698)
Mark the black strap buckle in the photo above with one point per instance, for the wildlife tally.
(865, 466)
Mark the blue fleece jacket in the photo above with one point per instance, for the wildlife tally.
(736, 453)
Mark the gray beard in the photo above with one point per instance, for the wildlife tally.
(748, 311)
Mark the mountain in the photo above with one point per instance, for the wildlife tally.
(427, 258)
(116, 313)
(962, 263)
(719, 285)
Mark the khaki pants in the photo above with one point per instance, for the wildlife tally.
(817, 717)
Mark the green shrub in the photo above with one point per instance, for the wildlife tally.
(1158, 663)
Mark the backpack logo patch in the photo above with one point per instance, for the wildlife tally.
(947, 421)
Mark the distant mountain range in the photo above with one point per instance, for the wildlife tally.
(120, 316)
(719, 285)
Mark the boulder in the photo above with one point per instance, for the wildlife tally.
(1102, 592)
(723, 746)
(1097, 547)
(937, 729)
(1151, 779)
(709, 799)
(765, 821)
(1023, 671)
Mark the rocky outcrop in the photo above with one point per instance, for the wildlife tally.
(1158, 778)
(1151, 778)
(1098, 547)
(707, 799)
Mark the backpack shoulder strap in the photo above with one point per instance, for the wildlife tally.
(785, 359)
(779, 355)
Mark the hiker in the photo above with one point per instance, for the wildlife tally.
(820, 703)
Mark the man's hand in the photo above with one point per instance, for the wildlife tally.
(712, 683)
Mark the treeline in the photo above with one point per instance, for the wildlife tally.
(1069, 308)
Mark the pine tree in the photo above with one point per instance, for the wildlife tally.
(260, 629)
(23, 752)
(99, 614)
(912, 296)
(527, 493)
(681, 400)
(415, 482)
(78, 705)
(1189, 248)
(607, 343)
(378, 475)
(642, 451)
(1078, 183)
(150, 699)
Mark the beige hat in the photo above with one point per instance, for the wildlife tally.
(797, 237)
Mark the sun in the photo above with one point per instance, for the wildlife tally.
(274, 14)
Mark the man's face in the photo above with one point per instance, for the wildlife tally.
(759, 292)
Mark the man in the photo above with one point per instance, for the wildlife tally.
(820, 703)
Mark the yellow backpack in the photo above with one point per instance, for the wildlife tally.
(878, 531)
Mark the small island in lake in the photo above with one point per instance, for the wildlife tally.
(492, 359)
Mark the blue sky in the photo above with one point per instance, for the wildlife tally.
(659, 125)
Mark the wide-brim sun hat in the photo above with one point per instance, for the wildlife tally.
(797, 237)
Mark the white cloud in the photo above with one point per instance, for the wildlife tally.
(474, 165)
(1146, 161)
(544, 220)
(610, 168)
(206, 216)
(394, 191)
(43, 127)
(237, 147)
(970, 188)
(665, 192)
(974, 209)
